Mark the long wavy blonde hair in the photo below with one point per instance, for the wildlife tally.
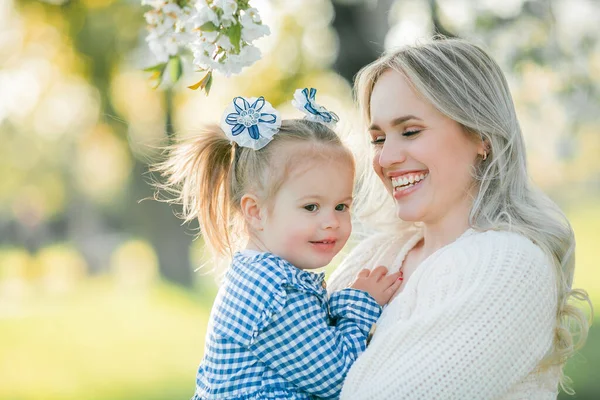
(464, 83)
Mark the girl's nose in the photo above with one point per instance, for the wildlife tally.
(331, 221)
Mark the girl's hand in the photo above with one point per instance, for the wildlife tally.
(378, 284)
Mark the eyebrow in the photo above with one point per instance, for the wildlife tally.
(395, 122)
(304, 198)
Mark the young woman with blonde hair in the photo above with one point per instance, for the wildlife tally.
(487, 259)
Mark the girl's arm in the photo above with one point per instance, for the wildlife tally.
(304, 349)
(483, 319)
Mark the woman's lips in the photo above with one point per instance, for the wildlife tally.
(402, 191)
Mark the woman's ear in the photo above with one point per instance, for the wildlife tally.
(252, 211)
(483, 148)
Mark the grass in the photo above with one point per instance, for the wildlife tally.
(103, 343)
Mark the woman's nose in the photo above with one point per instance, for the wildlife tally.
(392, 152)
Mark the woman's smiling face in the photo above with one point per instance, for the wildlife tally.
(423, 158)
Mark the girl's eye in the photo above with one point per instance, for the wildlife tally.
(311, 207)
(410, 133)
(341, 207)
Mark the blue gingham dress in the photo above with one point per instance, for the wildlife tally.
(274, 334)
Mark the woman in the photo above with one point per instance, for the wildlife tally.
(487, 259)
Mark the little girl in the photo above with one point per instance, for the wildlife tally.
(285, 189)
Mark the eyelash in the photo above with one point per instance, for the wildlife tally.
(405, 134)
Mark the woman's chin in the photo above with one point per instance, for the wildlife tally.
(408, 214)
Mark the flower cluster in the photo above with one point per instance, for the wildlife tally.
(218, 33)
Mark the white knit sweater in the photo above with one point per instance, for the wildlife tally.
(472, 322)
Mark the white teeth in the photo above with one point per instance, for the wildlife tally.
(408, 180)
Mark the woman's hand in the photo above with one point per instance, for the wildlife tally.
(378, 284)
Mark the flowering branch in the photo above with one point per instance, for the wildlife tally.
(218, 33)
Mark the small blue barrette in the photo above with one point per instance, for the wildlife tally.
(250, 122)
(304, 100)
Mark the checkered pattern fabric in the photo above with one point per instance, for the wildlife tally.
(274, 334)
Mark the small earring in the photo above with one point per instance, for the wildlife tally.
(484, 155)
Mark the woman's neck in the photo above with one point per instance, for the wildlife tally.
(439, 233)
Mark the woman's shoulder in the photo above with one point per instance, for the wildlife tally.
(498, 254)
(481, 264)
(503, 243)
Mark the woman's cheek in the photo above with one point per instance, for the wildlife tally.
(376, 165)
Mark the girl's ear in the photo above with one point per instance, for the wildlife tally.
(252, 211)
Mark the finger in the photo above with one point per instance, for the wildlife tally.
(379, 272)
(391, 291)
(364, 273)
(394, 277)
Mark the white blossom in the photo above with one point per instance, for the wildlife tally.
(252, 30)
(153, 3)
(209, 36)
(253, 14)
(162, 47)
(224, 43)
(229, 8)
(235, 62)
(166, 23)
(204, 14)
(173, 28)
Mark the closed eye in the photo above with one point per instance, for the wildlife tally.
(378, 139)
(411, 133)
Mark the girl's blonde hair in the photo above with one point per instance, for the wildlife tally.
(462, 82)
(208, 176)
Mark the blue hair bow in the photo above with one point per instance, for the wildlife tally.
(304, 100)
(250, 122)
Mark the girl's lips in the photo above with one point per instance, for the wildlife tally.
(324, 245)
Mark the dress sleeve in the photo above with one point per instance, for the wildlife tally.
(301, 346)
(483, 319)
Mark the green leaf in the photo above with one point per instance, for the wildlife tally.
(155, 68)
(175, 69)
(208, 84)
(209, 27)
(234, 33)
(204, 83)
(157, 74)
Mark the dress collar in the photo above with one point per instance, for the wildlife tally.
(310, 281)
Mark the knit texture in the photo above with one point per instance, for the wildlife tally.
(473, 321)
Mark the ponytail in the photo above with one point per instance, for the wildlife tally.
(196, 174)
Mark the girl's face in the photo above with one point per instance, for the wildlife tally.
(308, 222)
(423, 158)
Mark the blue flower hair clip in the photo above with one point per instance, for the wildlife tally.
(250, 122)
(304, 100)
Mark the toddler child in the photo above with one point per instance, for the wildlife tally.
(278, 192)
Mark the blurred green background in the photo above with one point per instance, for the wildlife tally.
(98, 294)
